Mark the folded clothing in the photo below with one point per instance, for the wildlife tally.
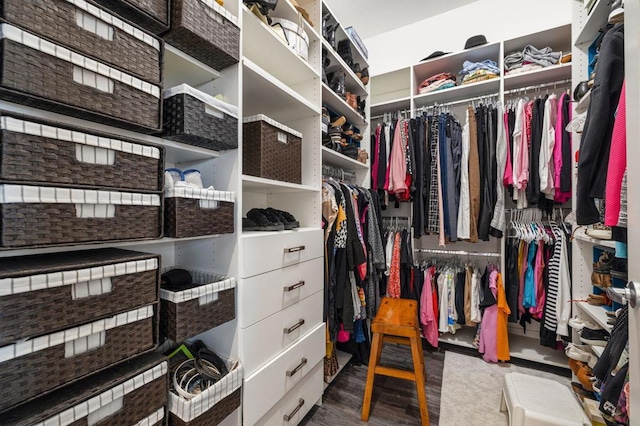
(513, 60)
(438, 85)
(524, 68)
(468, 67)
(545, 56)
(481, 78)
(478, 73)
(435, 78)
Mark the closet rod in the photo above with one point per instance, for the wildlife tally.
(537, 87)
(398, 112)
(461, 101)
(458, 252)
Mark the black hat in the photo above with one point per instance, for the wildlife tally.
(474, 41)
(435, 54)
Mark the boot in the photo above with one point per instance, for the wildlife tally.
(337, 84)
(352, 100)
(344, 50)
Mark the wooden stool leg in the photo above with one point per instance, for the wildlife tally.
(424, 367)
(418, 367)
(374, 358)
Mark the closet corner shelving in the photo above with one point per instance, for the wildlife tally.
(397, 91)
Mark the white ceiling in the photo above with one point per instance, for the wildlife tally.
(373, 17)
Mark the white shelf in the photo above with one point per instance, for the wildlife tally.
(264, 94)
(581, 235)
(175, 152)
(258, 184)
(459, 93)
(357, 54)
(597, 19)
(598, 350)
(104, 244)
(269, 51)
(597, 313)
(261, 234)
(334, 158)
(288, 11)
(181, 68)
(583, 104)
(391, 106)
(339, 105)
(343, 360)
(352, 82)
(543, 75)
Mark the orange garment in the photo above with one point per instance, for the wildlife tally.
(393, 285)
(502, 334)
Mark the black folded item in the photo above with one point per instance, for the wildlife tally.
(176, 280)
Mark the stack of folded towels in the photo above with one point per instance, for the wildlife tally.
(530, 59)
(473, 72)
(441, 81)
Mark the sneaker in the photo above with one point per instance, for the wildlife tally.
(599, 231)
(594, 337)
(617, 12)
(578, 324)
(579, 352)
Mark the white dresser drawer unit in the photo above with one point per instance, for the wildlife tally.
(264, 295)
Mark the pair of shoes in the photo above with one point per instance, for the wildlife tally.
(268, 219)
(599, 231)
(583, 373)
(601, 275)
(581, 353)
(363, 156)
(594, 337)
(578, 324)
(337, 83)
(617, 12)
(598, 299)
(344, 50)
(581, 392)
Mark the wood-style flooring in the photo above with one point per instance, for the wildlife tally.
(394, 400)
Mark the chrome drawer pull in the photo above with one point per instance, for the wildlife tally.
(294, 327)
(295, 286)
(292, 373)
(294, 249)
(289, 416)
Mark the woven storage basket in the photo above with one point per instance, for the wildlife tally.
(152, 15)
(195, 118)
(39, 365)
(209, 303)
(43, 216)
(205, 30)
(210, 407)
(91, 31)
(271, 150)
(39, 73)
(191, 212)
(40, 152)
(131, 393)
(50, 292)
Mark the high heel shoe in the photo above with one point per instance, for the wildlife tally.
(339, 122)
(364, 77)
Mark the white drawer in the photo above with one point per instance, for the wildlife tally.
(271, 251)
(267, 338)
(297, 403)
(264, 388)
(266, 294)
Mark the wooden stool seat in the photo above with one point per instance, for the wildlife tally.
(397, 322)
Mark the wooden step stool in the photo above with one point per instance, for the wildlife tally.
(397, 322)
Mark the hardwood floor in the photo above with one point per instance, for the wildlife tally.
(394, 401)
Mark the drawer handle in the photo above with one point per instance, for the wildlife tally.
(293, 372)
(295, 286)
(294, 249)
(289, 416)
(294, 327)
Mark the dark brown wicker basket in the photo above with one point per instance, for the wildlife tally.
(138, 404)
(188, 318)
(29, 158)
(184, 218)
(152, 15)
(263, 155)
(198, 34)
(215, 415)
(186, 120)
(41, 372)
(52, 307)
(33, 225)
(56, 21)
(43, 81)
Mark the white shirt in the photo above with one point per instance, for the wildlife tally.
(546, 163)
(464, 209)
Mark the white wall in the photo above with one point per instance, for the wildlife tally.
(496, 19)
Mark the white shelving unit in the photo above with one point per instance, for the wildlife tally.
(343, 360)
(596, 313)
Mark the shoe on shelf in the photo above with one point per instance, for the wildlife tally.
(291, 220)
(594, 337)
(578, 324)
(289, 223)
(581, 392)
(338, 122)
(601, 279)
(579, 352)
(364, 77)
(619, 268)
(262, 222)
(336, 83)
(599, 231)
(347, 129)
(325, 115)
(352, 100)
(598, 299)
(617, 12)
(357, 70)
(604, 263)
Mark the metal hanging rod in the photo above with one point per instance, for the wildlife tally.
(338, 173)
(461, 101)
(390, 114)
(553, 84)
(458, 252)
(395, 217)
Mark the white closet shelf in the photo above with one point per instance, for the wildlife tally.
(341, 34)
(453, 62)
(288, 11)
(343, 359)
(180, 68)
(262, 46)
(458, 93)
(175, 152)
(596, 20)
(333, 158)
(543, 75)
(583, 103)
(264, 234)
(597, 313)
(581, 235)
(598, 350)
(391, 106)
(270, 186)
(352, 82)
(339, 105)
(58, 249)
(265, 94)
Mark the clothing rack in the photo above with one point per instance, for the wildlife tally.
(458, 252)
(393, 220)
(338, 174)
(528, 89)
(388, 115)
(493, 96)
